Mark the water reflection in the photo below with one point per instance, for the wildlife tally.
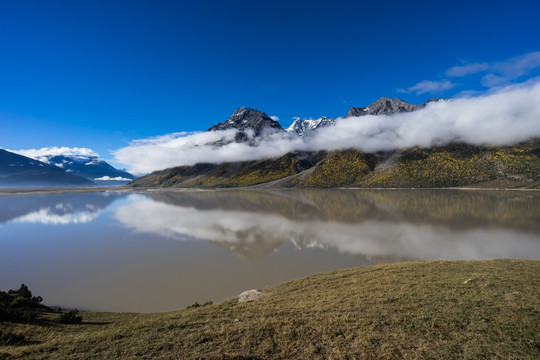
(57, 209)
(405, 224)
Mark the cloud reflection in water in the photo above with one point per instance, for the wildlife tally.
(381, 227)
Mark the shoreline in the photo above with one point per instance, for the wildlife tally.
(80, 190)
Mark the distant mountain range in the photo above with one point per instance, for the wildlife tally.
(57, 170)
(244, 118)
(455, 164)
(90, 167)
(21, 171)
(382, 106)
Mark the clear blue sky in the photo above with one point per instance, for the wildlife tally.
(99, 74)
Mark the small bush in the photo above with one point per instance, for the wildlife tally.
(70, 317)
(9, 338)
(21, 302)
(196, 304)
(23, 291)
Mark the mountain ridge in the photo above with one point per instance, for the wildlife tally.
(381, 106)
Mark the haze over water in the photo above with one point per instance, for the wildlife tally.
(164, 250)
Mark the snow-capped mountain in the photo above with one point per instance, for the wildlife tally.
(21, 171)
(304, 127)
(90, 167)
(81, 162)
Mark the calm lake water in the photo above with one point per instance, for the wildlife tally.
(164, 250)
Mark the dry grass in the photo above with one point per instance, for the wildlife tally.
(441, 310)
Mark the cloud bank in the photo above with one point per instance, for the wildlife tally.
(41, 154)
(505, 116)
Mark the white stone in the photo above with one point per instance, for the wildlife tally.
(249, 295)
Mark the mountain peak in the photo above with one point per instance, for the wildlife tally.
(244, 118)
(383, 106)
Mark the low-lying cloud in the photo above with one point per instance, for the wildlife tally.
(506, 116)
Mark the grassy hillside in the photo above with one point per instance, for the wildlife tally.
(439, 310)
(445, 166)
(246, 173)
(341, 168)
(460, 164)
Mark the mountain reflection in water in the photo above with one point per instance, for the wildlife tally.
(56, 209)
(377, 224)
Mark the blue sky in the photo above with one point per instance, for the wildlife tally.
(100, 74)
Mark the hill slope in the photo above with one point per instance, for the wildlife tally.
(435, 310)
(451, 165)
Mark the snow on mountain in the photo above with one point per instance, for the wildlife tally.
(304, 127)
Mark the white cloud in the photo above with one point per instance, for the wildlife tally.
(503, 116)
(427, 86)
(499, 73)
(108, 178)
(458, 71)
(165, 151)
(275, 118)
(518, 66)
(39, 154)
(47, 217)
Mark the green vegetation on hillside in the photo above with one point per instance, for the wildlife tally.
(246, 173)
(438, 310)
(258, 172)
(459, 165)
(341, 168)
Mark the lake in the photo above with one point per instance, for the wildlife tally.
(164, 250)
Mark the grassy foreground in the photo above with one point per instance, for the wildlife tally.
(442, 309)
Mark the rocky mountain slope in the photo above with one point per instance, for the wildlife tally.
(244, 120)
(381, 106)
(20, 171)
(384, 106)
